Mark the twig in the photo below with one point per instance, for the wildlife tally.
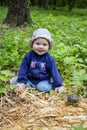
(7, 119)
(9, 101)
(1, 101)
(45, 123)
(81, 117)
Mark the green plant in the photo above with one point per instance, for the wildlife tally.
(5, 76)
(79, 127)
(79, 79)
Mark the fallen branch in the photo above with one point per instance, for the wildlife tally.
(82, 117)
(9, 101)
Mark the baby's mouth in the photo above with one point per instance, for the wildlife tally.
(40, 50)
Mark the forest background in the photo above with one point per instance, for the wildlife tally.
(68, 26)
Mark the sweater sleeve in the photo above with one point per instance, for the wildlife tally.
(23, 71)
(55, 74)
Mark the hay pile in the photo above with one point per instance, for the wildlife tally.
(31, 110)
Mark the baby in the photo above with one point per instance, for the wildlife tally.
(38, 68)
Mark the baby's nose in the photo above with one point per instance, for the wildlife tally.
(40, 46)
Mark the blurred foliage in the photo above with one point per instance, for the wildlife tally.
(51, 3)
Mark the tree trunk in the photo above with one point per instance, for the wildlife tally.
(46, 4)
(40, 3)
(2, 2)
(71, 4)
(63, 3)
(33, 2)
(18, 13)
(54, 4)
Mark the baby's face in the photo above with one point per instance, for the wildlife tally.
(40, 46)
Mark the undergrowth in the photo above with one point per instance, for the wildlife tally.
(69, 32)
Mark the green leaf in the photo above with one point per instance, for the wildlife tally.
(2, 89)
(3, 78)
(7, 73)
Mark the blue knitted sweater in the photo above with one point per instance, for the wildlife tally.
(37, 68)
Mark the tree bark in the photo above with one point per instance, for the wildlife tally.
(33, 2)
(46, 2)
(71, 4)
(40, 3)
(63, 3)
(2, 2)
(54, 4)
(18, 13)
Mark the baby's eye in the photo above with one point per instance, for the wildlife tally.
(37, 43)
(45, 44)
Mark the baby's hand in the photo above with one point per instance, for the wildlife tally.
(60, 89)
(20, 86)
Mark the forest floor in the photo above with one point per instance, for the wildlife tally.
(32, 110)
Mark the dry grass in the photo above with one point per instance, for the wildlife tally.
(32, 110)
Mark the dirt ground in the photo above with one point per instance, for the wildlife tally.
(32, 110)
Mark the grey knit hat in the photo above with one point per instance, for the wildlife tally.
(41, 33)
